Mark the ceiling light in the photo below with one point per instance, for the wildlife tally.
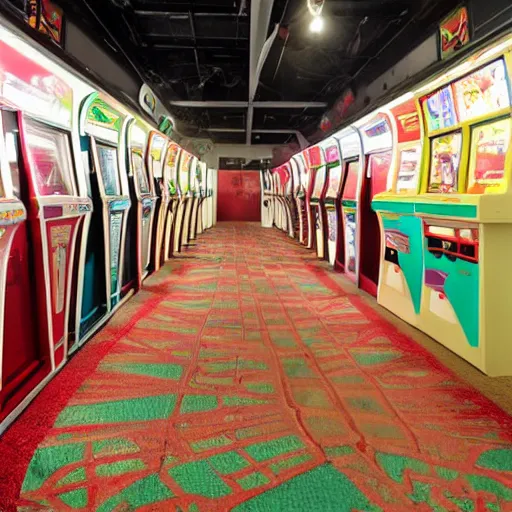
(317, 24)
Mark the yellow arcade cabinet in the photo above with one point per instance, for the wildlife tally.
(465, 208)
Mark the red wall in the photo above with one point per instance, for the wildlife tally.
(239, 196)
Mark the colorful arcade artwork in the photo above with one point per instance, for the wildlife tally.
(51, 20)
(60, 236)
(116, 222)
(101, 114)
(445, 163)
(350, 239)
(439, 109)
(483, 92)
(408, 170)
(490, 144)
(454, 32)
(452, 274)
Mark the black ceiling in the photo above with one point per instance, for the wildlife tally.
(198, 51)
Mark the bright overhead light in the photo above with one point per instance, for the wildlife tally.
(317, 24)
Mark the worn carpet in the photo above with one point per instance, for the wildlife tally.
(244, 378)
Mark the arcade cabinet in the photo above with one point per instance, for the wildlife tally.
(332, 197)
(309, 180)
(266, 198)
(156, 155)
(347, 253)
(37, 167)
(295, 198)
(187, 213)
(184, 163)
(174, 197)
(401, 266)
(204, 203)
(195, 188)
(377, 144)
(212, 188)
(301, 195)
(276, 204)
(288, 199)
(319, 171)
(24, 355)
(143, 194)
(202, 196)
(465, 208)
(102, 122)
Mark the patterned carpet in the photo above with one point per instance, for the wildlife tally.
(244, 378)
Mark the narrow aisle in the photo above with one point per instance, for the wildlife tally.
(243, 377)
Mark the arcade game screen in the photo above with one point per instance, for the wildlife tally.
(440, 110)
(334, 181)
(138, 167)
(379, 165)
(489, 146)
(319, 182)
(49, 154)
(107, 156)
(444, 163)
(408, 172)
(350, 189)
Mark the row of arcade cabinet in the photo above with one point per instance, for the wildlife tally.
(92, 199)
(414, 204)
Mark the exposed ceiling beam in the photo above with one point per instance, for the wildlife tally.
(245, 104)
(191, 36)
(210, 104)
(255, 130)
(226, 130)
(289, 104)
(193, 30)
(303, 142)
(182, 14)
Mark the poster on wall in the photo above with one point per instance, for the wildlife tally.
(483, 92)
(489, 147)
(454, 32)
(445, 162)
(47, 18)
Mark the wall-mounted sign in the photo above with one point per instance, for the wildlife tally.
(47, 18)
(333, 118)
(165, 125)
(454, 32)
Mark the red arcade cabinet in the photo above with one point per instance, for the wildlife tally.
(317, 180)
(377, 142)
(37, 119)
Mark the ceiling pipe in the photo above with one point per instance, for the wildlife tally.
(259, 48)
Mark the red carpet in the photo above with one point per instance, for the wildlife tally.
(244, 378)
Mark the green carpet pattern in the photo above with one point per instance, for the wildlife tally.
(256, 383)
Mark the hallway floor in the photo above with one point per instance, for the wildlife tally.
(245, 377)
